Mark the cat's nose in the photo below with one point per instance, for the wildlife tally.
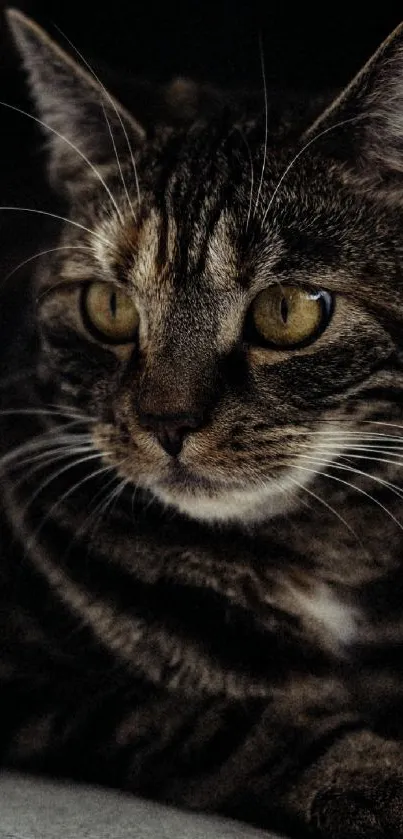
(170, 429)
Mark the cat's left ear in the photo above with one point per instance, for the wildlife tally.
(364, 125)
(82, 117)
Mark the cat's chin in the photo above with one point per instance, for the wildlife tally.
(227, 504)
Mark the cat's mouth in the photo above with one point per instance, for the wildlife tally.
(183, 479)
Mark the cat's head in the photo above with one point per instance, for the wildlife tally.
(226, 298)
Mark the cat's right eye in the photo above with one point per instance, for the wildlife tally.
(108, 313)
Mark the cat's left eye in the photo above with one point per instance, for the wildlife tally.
(288, 316)
(109, 314)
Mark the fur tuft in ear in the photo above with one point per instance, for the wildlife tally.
(79, 115)
(364, 125)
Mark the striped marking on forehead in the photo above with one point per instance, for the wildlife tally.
(222, 262)
(146, 250)
(138, 248)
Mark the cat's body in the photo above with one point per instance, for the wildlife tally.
(188, 609)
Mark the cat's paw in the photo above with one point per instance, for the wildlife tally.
(354, 790)
(359, 808)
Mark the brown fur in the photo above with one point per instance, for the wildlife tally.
(201, 574)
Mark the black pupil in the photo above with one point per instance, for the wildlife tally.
(113, 304)
(284, 310)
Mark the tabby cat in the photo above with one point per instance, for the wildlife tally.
(202, 440)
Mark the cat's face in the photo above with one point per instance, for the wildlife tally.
(218, 311)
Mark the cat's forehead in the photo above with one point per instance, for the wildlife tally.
(159, 256)
(208, 213)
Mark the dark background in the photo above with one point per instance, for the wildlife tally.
(314, 46)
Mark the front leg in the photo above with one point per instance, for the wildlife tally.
(306, 766)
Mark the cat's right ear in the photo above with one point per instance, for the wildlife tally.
(86, 126)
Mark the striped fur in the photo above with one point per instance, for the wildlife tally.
(220, 629)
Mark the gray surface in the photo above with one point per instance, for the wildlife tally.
(32, 808)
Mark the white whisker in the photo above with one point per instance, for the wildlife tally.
(392, 452)
(343, 467)
(52, 411)
(61, 218)
(350, 453)
(351, 486)
(122, 177)
(101, 508)
(59, 472)
(67, 494)
(115, 495)
(72, 412)
(301, 152)
(356, 440)
(389, 424)
(72, 146)
(49, 457)
(44, 253)
(375, 435)
(36, 444)
(328, 507)
(266, 128)
(117, 112)
(92, 512)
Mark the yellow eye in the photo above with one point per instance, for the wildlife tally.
(287, 316)
(109, 314)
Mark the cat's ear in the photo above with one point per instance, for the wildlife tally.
(364, 125)
(80, 115)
